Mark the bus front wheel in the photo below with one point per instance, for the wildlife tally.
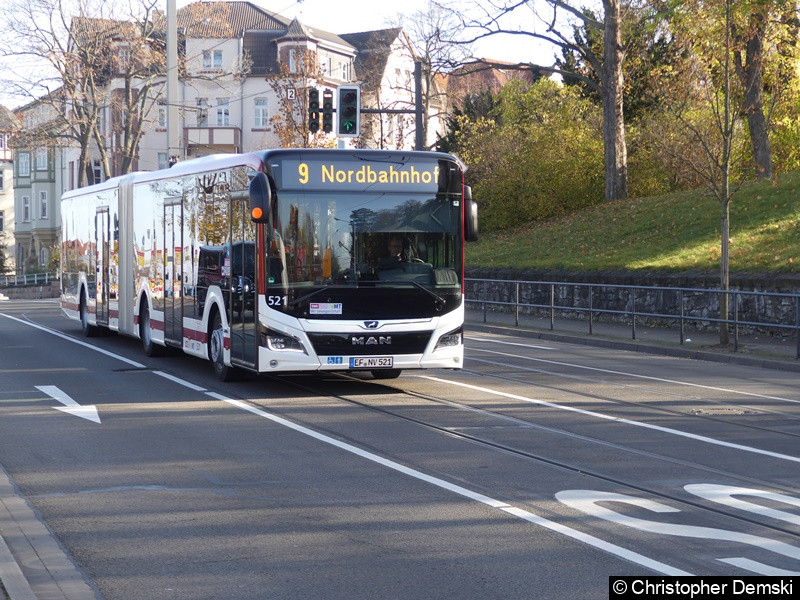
(386, 373)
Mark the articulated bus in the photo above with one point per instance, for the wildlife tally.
(279, 260)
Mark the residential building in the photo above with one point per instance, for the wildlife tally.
(37, 189)
(7, 121)
(245, 72)
(385, 64)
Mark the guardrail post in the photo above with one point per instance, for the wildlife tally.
(797, 323)
(682, 331)
(516, 304)
(735, 321)
(552, 306)
(591, 308)
(633, 313)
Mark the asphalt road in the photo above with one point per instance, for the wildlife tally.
(539, 471)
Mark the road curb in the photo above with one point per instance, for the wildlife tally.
(14, 581)
(31, 557)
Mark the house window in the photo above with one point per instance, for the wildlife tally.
(43, 257)
(24, 164)
(41, 160)
(261, 119)
(26, 209)
(1, 179)
(124, 59)
(163, 160)
(43, 205)
(212, 59)
(345, 71)
(223, 112)
(162, 116)
(97, 170)
(3, 140)
(294, 57)
(2, 220)
(202, 112)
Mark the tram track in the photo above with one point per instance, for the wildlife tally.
(664, 410)
(547, 461)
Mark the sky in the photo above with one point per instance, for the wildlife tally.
(348, 16)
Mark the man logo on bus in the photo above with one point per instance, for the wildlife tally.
(381, 340)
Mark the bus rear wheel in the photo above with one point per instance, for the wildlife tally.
(146, 334)
(386, 373)
(88, 330)
(216, 350)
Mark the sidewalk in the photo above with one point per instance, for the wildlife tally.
(33, 565)
(758, 350)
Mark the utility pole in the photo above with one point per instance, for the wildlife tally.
(174, 137)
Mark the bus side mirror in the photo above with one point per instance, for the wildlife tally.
(470, 216)
(260, 198)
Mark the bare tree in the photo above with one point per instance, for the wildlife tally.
(429, 31)
(491, 18)
(71, 56)
(291, 122)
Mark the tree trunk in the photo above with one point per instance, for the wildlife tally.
(751, 75)
(615, 150)
(724, 301)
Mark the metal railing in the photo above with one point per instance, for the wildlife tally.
(699, 307)
(32, 279)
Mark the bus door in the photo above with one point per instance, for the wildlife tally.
(173, 270)
(102, 245)
(242, 304)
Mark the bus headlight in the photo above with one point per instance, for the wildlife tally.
(448, 340)
(277, 341)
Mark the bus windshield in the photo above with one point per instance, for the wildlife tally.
(346, 239)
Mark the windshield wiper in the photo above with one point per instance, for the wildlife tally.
(297, 301)
(439, 300)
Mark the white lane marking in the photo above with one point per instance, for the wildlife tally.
(588, 501)
(71, 407)
(128, 361)
(724, 494)
(180, 381)
(589, 413)
(638, 376)
(525, 515)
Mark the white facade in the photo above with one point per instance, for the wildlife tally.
(6, 198)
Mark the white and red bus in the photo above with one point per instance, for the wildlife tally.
(279, 260)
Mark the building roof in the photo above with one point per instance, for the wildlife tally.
(7, 120)
(373, 49)
(226, 19)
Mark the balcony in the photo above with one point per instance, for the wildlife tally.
(210, 140)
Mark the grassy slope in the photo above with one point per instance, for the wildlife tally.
(675, 232)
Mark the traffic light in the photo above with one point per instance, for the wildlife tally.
(349, 110)
(327, 111)
(313, 110)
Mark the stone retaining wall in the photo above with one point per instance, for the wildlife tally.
(32, 292)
